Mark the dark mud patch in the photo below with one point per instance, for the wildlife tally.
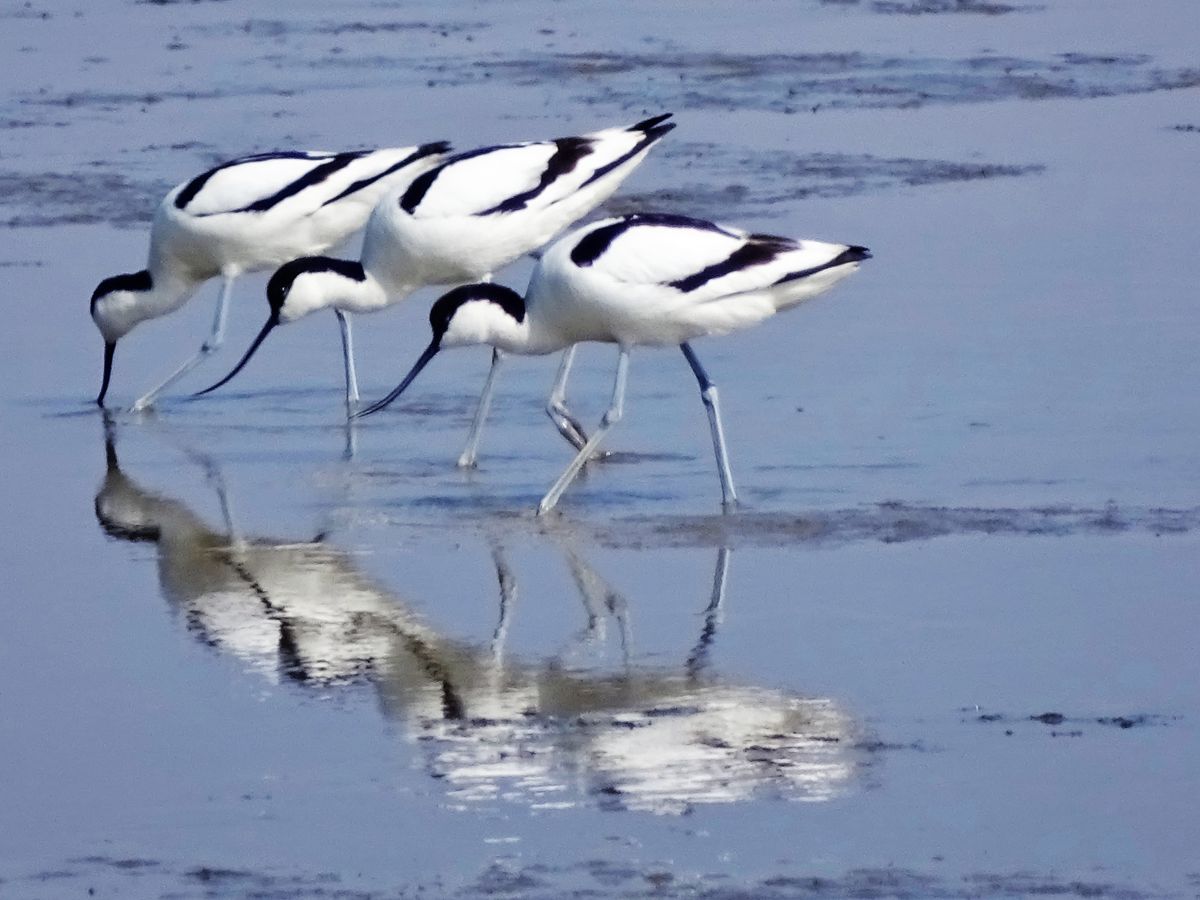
(85, 198)
(809, 82)
(888, 523)
(122, 863)
(715, 181)
(1062, 725)
(277, 27)
(934, 7)
(282, 29)
(600, 878)
(718, 181)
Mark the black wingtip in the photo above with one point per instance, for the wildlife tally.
(434, 147)
(655, 127)
(853, 254)
(647, 125)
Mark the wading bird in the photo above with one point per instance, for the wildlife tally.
(639, 279)
(460, 222)
(251, 213)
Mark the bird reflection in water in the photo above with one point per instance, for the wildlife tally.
(549, 733)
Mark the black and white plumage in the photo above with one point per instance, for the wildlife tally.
(251, 213)
(306, 612)
(642, 279)
(462, 221)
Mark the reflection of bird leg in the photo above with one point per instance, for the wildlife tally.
(214, 476)
(590, 591)
(351, 448)
(713, 615)
(508, 597)
(599, 599)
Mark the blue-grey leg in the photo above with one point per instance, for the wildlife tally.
(708, 393)
(471, 451)
(615, 410)
(556, 404)
(556, 407)
(348, 360)
(209, 347)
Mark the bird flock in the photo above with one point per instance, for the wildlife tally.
(430, 217)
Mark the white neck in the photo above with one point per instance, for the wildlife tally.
(121, 310)
(318, 290)
(485, 322)
(394, 289)
(525, 338)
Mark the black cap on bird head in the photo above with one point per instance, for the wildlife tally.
(440, 317)
(278, 288)
(108, 322)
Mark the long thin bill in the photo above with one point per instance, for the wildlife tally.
(430, 353)
(262, 336)
(109, 347)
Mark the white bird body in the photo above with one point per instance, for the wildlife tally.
(261, 211)
(641, 279)
(251, 213)
(461, 221)
(482, 210)
(663, 280)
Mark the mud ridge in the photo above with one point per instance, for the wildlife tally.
(888, 523)
(594, 878)
(809, 82)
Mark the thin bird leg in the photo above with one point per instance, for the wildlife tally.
(209, 347)
(348, 360)
(611, 418)
(708, 393)
(556, 404)
(471, 451)
(698, 659)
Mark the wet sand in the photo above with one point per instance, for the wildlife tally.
(945, 649)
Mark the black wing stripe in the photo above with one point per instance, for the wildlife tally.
(593, 244)
(422, 183)
(188, 194)
(849, 255)
(752, 253)
(652, 134)
(309, 179)
(567, 154)
(420, 153)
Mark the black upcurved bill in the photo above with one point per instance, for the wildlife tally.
(109, 347)
(430, 353)
(262, 336)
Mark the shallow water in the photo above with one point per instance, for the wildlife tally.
(946, 648)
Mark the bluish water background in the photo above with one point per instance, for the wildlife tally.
(970, 474)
